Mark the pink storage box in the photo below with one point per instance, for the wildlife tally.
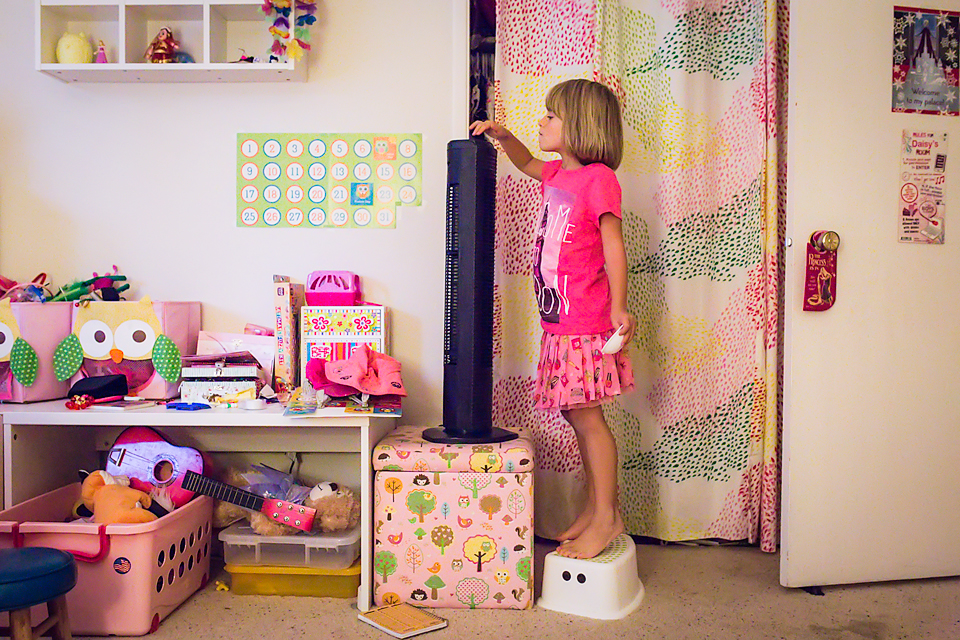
(453, 523)
(42, 326)
(178, 321)
(333, 288)
(130, 576)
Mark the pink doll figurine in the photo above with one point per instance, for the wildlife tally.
(101, 53)
(163, 48)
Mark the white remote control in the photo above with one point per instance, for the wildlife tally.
(615, 343)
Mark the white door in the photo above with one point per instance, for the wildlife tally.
(871, 451)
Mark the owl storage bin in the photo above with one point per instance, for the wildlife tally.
(143, 340)
(29, 335)
(453, 524)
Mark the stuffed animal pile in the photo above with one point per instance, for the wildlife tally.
(337, 507)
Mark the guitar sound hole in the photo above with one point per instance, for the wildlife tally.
(163, 471)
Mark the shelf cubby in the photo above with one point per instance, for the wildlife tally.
(214, 34)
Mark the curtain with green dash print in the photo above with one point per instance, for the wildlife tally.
(702, 85)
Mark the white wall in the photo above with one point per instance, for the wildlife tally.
(144, 175)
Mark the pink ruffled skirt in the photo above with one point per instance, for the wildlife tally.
(574, 374)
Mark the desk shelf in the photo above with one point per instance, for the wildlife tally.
(44, 443)
(215, 34)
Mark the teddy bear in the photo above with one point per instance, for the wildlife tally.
(112, 500)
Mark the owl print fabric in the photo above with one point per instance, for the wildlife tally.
(453, 524)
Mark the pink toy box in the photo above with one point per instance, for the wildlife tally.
(333, 289)
(130, 576)
(453, 523)
(39, 327)
(141, 339)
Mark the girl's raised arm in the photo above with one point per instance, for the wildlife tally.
(518, 153)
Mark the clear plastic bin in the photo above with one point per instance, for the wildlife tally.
(330, 551)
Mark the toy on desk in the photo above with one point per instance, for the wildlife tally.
(101, 53)
(163, 48)
(104, 341)
(74, 48)
(107, 287)
(36, 290)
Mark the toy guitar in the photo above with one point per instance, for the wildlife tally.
(144, 456)
(289, 513)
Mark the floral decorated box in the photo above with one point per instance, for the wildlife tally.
(333, 333)
(453, 523)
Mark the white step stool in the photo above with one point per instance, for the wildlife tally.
(606, 587)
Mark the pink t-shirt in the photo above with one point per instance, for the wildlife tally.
(571, 284)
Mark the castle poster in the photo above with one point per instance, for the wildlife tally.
(925, 59)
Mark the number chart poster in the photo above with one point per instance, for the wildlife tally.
(326, 180)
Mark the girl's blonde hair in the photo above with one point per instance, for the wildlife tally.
(592, 124)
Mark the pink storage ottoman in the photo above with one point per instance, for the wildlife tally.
(130, 576)
(453, 523)
(41, 326)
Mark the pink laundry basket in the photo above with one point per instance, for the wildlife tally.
(130, 576)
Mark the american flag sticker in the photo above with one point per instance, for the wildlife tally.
(121, 565)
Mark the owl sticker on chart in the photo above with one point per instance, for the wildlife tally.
(118, 337)
(17, 358)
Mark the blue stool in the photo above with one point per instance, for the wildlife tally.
(34, 575)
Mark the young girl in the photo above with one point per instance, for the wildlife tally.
(580, 279)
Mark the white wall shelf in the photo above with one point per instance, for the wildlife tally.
(215, 34)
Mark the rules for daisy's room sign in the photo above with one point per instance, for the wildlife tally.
(923, 176)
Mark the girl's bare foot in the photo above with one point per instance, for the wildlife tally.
(579, 525)
(594, 539)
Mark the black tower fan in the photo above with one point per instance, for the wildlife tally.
(468, 299)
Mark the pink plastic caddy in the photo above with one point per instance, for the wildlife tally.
(333, 289)
(453, 523)
(129, 576)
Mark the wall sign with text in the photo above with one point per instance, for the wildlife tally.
(326, 180)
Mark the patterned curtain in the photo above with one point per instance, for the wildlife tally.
(701, 82)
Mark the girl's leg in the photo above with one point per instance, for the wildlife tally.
(599, 451)
(586, 515)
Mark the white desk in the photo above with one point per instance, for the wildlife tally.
(45, 443)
